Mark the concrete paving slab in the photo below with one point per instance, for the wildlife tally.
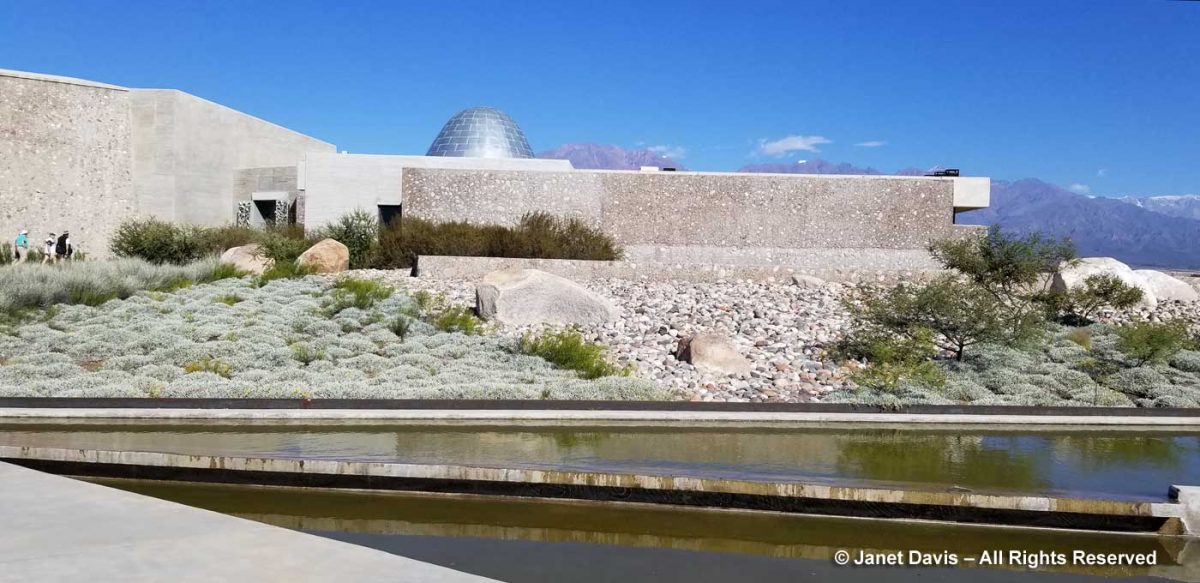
(59, 529)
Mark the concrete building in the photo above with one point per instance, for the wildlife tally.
(84, 156)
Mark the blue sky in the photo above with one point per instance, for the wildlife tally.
(1104, 95)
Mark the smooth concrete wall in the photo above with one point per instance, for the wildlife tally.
(692, 217)
(64, 159)
(187, 151)
(335, 184)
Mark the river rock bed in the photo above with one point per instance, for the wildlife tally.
(782, 328)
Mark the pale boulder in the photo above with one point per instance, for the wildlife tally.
(1168, 288)
(528, 296)
(808, 281)
(249, 258)
(327, 256)
(1073, 276)
(712, 353)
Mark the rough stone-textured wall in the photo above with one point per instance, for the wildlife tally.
(186, 152)
(704, 217)
(64, 159)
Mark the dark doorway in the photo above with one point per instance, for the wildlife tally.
(388, 213)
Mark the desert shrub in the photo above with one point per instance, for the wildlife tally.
(567, 349)
(1006, 264)
(221, 271)
(456, 319)
(1079, 304)
(537, 235)
(282, 270)
(358, 293)
(1186, 360)
(1139, 382)
(306, 354)
(359, 232)
(218, 239)
(228, 299)
(960, 314)
(157, 241)
(400, 326)
(211, 365)
(1153, 342)
(1081, 337)
(892, 359)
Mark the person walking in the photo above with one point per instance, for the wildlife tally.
(21, 247)
(48, 249)
(60, 247)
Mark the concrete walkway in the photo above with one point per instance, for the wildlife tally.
(59, 529)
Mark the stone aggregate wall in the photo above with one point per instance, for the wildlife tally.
(64, 159)
(717, 218)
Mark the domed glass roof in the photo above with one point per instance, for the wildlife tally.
(481, 132)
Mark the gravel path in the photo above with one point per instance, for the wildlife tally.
(780, 327)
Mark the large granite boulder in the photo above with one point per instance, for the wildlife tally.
(1073, 276)
(1168, 288)
(249, 258)
(712, 353)
(529, 296)
(327, 256)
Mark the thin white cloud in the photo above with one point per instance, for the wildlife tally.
(672, 152)
(871, 144)
(786, 145)
(1101, 173)
(1078, 188)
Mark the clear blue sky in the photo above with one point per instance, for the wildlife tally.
(1101, 94)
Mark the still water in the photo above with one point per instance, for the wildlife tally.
(544, 541)
(1121, 465)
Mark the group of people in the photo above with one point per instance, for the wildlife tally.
(55, 248)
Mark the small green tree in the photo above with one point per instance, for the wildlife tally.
(891, 359)
(359, 231)
(1076, 306)
(959, 313)
(1153, 342)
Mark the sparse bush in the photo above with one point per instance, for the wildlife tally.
(1079, 304)
(157, 241)
(537, 235)
(229, 299)
(457, 319)
(357, 293)
(1153, 342)
(400, 326)
(359, 232)
(1005, 264)
(568, 350)
(306, 354)
(1080, 336)
(208, 364)
(1187, 360)
(892, 359)
(282, 270)
(959, 314)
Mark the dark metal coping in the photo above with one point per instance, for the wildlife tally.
(855, 508)
(534, 405)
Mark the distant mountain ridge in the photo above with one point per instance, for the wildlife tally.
(1157, 231)
(1183, 205)
(608, 157)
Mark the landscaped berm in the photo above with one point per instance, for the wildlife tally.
(1007, 321)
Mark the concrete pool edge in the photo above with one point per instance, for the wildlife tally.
(616, 416)
(1180, 517)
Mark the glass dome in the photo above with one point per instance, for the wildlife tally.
(481, 132)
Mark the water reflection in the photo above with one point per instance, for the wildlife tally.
(1119, 465)
(391, 521)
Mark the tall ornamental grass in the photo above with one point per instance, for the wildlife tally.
(31, 285)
